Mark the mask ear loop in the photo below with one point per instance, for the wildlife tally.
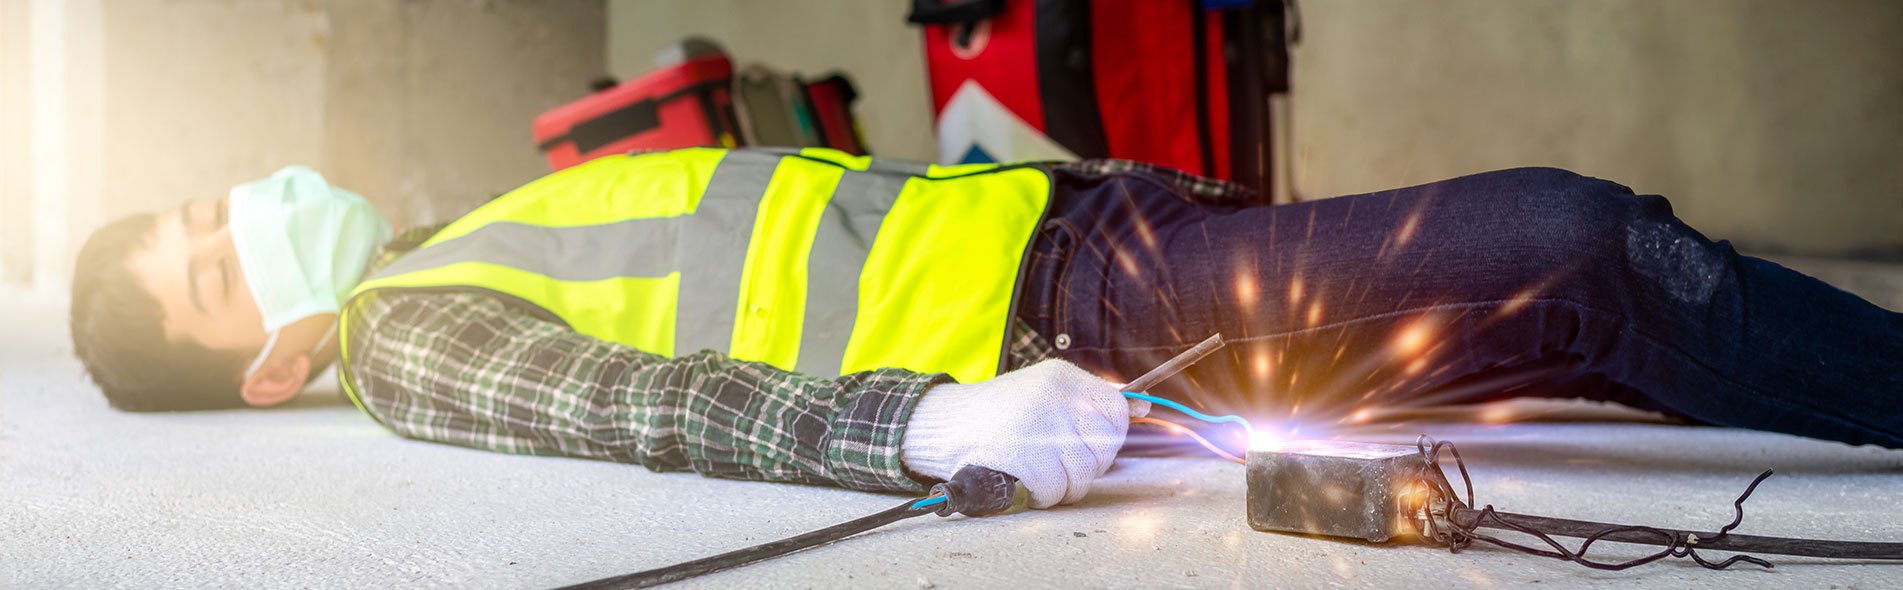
(328, 334)
(268, 345)
(273, 342)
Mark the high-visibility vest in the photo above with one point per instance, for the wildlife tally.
(815, 261)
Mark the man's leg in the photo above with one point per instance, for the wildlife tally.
(1529, 281)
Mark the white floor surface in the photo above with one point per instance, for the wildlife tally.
(321, 497)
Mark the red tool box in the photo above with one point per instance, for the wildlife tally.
(684, 105)
(1181, 83)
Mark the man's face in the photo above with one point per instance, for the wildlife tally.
(191, 268)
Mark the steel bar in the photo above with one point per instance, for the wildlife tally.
(1175, 365)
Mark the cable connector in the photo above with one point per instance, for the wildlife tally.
(976, 491)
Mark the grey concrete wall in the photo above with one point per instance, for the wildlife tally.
(1773, 123)
(866, 39)
(422, 105)
(1776, 124)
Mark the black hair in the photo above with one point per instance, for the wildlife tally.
(119, 334)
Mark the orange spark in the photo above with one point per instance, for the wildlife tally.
(1314, 314)
(1496, 414)
(1245, 290)
(1412, 338)
(1416, 366)
(1517, 301)
(1295, 290)
(1145, 233)
(1407, 229)
(1262, 365)
(1128, 263)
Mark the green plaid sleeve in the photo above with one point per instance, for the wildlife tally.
(468, 369)
(1202, 189)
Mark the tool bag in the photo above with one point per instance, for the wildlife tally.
(687, 104)
(1179, 83)
(830, 99)
(694, 100)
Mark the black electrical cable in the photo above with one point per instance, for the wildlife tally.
(1451, 521)
(737, 558)
(972, 491)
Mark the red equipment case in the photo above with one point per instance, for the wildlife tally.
(1180, 83)
(685, 105)
(831, 99)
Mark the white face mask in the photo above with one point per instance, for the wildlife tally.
(303, 245)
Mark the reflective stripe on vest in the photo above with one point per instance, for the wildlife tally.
(818, 262)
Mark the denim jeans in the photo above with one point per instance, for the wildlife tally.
(1525, 282)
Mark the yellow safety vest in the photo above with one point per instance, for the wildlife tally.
(816, 261)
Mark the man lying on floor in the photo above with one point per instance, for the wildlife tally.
(877, 324)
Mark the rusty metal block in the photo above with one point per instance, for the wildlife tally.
(1341, 489)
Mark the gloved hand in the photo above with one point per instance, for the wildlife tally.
(1053, 426)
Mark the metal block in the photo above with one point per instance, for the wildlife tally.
(1341, 489)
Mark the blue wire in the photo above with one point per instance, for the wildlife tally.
(1192, 413)
(1148, 398)
(929, 502)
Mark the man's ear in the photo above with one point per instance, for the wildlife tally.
(277, 381)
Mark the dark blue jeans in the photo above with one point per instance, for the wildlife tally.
(1520, 282)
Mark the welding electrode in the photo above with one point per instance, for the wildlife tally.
(1175, 365)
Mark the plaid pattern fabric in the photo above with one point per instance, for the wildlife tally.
(1206, 190)
(470, 369)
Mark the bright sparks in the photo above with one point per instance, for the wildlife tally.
(1496, 414)
(1362, 415)
(1295, 290)
(1407, 229)
(1245, 290)
(1314, 314)
(1264, 440)
(1412, 338)
(1145, 233)
(1128, 263)
(1518, 301)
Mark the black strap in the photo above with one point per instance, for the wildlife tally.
(934, 12)
(632, 118)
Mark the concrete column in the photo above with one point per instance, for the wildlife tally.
(49, 110)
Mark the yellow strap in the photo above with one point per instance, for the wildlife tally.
(772, 306)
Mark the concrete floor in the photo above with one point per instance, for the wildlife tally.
(320, 497)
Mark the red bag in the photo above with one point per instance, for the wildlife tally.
(831, 99)
(685, 105)
(1179, 83)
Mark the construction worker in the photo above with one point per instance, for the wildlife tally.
(820, 318)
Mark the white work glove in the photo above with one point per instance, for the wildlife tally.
(1053, 426)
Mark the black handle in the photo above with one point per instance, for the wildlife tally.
(934, 12)
(977, 491)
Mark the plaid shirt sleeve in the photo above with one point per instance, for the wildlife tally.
(1207, 190)
(470, 370)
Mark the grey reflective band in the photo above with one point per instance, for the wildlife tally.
(709, 248)
(906, 167)
(844, 237)
(590, 253)
(713, 251)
